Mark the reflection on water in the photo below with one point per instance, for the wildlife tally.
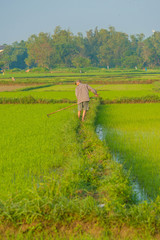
(139, 192)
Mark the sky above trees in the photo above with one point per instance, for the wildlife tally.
(20, 19)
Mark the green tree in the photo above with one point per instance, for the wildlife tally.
(7, 56)
(64, 47)
(115, 46)
(92, 44)
(39, 50)
(130, 61)
(19, 55)
(155, 39)
(81, 62)
(14, 55)
(79, 45)
(99, 48)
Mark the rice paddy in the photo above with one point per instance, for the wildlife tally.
(90, 75)
(31, 145)
(106, 92)
(57, 179)
(133, 134)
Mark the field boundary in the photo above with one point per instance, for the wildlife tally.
(145, 99)
(31, 100)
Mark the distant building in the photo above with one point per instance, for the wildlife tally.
(1, 48)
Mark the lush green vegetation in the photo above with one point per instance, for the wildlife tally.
(132, 132)
(99, 48)
(30, 146)
(68, 187)
(46, 174)
(90, 75)
(98, 87)
(31, 97)
(58, 180)
(109, 93)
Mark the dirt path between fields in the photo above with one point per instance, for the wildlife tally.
(12, 87)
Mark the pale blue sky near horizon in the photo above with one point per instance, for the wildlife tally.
(20, 19)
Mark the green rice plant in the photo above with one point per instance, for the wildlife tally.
(66, 93)
(156, 86)
(59, 181)
(94, 75)
(39, 95)
(42, 167)
(51, 168)
(132, 133)
(144, 99)
(98, 87)
(31, 100)
(30, 145)
(118, 95)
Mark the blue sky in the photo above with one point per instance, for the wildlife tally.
(20, 19)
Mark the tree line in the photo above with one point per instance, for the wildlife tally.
(99, 48)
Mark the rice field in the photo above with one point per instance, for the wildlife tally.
(99, 87)
(50, 173)
(106, 92)
(32, 146)
(56, 173)
(40, 95)
(87, 75)
(17, 117)
(132, 132)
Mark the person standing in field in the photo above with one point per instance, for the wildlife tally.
(82, 94)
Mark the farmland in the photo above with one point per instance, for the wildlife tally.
(90, 75)
(58, 179)
(30, 145)
(132, 132)
(108, 93)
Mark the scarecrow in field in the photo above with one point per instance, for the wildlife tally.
(82, 95)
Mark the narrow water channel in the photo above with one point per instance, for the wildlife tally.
(139, 192)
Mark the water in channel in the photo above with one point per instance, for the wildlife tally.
(139, 192)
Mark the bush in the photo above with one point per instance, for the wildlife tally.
(13, 70)
(38, 69)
